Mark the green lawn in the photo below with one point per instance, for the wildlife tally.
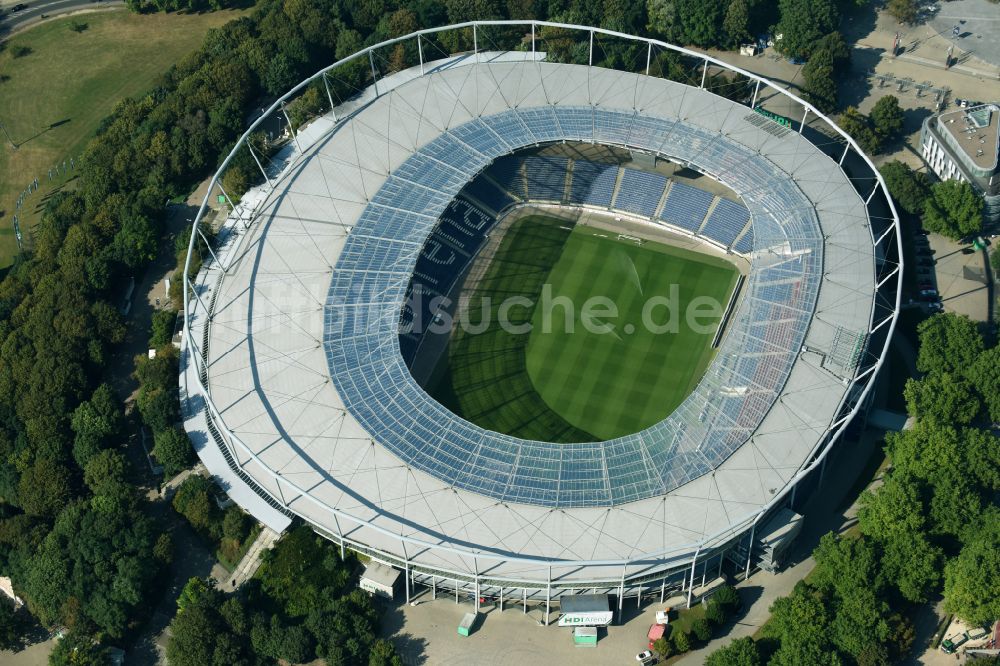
(621, 376)
(563, 386)
(53, 99)
(489, 384)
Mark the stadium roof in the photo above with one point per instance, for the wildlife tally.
(303, 361)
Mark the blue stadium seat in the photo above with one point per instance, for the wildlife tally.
(686, 206)
(546, 177)
(487, 193)
(745, 244)
(508, 172)
(726, 222)
(640, 192)
(592, 183)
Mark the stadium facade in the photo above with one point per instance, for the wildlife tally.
(294, 385)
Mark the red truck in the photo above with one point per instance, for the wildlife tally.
(656, 632)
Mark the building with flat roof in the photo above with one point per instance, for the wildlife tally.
(296, 393)
(964, 144)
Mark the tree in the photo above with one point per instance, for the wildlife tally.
(740, 652)
(234, 524)
(172, 449)
(701, 629)
(904, 11)
(663, 647)
(194, 592)
(45, 488)
(13, 626)
(908, 187)
(195, 637)
(736, 23)
(105, 473)
(958, 466)
(803, 23)
(887, 117)
(970, 579)
(76, 649)
(681, 640)
(162, 328)
(894, 515)
(384, 653)
(800, 617)
(820, 81)
(237, 181)
(301, 570)
(856, 124)
(847, 570)
(715, 614)
(913, 564)
(727, 597)
(948, 343)
(954, 210)
(276, 640)
(829, 58)
(985, 377)
(943, 397)
(94, 423)
(163, 549)
(894, 508)
(94, 567)
(696, 22)
(193, 500)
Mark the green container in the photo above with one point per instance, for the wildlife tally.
(585, 636)
(465, 626)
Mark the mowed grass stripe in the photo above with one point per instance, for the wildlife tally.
(612, 384)
(489, 384)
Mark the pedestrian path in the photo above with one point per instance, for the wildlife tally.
(251, 560)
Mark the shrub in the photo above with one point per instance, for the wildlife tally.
(162, 329)
(715, 613)
(701, 629)
(662, 647)
(727, 597)
(682, 641)
(235, 524)
(172, 449)
(194, 501)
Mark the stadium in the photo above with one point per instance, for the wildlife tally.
(328, 373)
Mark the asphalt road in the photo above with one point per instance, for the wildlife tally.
(11, 21)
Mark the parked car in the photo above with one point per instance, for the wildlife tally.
(645, 657)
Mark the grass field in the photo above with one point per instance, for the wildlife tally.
(53, 99)
(624, 377)
(562, 383)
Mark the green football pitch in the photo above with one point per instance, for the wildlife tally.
(580, 374)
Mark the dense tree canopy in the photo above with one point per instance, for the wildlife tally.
(803, 24)
(740, 652)
(931, 523)
(970, 579)
(953, 210)
(948, 343)
(909, 188)
(829, 60)
(858, 126)
(942, 397)
(887, 117)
